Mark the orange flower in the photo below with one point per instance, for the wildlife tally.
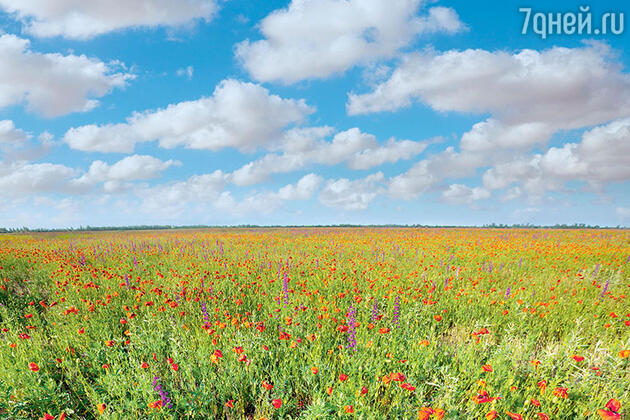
(487, 368)
(155, 404)
(175, 367)
(624, 354)
(560, 392)
(33, 366)
(608, 415)
(514, 415)
(535, 363)
(384, 330)
(329, 390)
(348, 409)
(491, 415)
(343, 377)
(613, 405)
(542, 385)
(425, 413)
(535, 402)
(230, 404)
(267, 385)
(101, 407)
(438, 318)
(109, 343)
(144, 365)
(314, 370)
(543, 416)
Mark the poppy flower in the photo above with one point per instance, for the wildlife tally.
(276, 403)
(613, 405)
(535, 402)
(514, 415)
(364, 390)
(314, 370)
(267, 385)
(155, 404)
(560, 392)
(343, 377)
(33, 366)
(230, 404)
(438, 318)
(175, 367)
(48, 417)
(487, 368)
(624, 354)
(425, 413)
(577, 358)
(81, 330)
(101, 408)
(408, 387)
(144, 365)
(543, 416)
(491, 415)
(349, 409)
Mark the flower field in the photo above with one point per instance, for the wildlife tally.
(316, 323)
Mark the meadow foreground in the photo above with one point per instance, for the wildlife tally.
(316, 323)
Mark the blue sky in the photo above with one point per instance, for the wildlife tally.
(309, 112)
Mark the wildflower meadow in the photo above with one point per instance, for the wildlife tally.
(366, 323)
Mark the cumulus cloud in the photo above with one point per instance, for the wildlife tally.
(302, 190)
(530, 94)
(86, 19)
(307, 146)
(53, 84)
(352, 195)
(130, 168)
(314, 39)
(11, 136)
(430, 172)
(462, 194)
(19, 178)
(599, 159)
(238, 114)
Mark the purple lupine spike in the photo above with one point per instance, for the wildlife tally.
(445, 283)
(166, 401)
(596, 269)
(285, 287)
(396, 311)
(605, 288)
(374, 310)
(508, 291)
(352, 332)
(127, 281)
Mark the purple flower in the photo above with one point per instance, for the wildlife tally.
(396, 311)
(166, 401)
(508, 291)
(352, 331)
(374, 310)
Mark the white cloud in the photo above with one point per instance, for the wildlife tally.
(11, 136)
(530, 94)
(304, 147)
(428, 173)
(52, 84)
(238, 114)
(302, 190)
(314, 39)
(462, 194)
(86, 19)
(130, 168)
(20, 178)
(352, 195)
(599, 159)
(188, 72)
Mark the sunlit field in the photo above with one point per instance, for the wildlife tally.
(316, 323)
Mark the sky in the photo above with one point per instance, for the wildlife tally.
(302, 112)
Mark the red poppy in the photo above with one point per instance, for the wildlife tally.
(230, 404)
(543, 416)
(514, 415)
(349, 409)
(608, 415)
(560, 392)
(613, 405)
(487, 368)
(144, 365)
(438, 318)
(578, 358)
(276, 403)
(33, 366)
(175, 367)
(364, 390)
(267, 385)
(343, 377)
(535, 402)
(491, 415)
